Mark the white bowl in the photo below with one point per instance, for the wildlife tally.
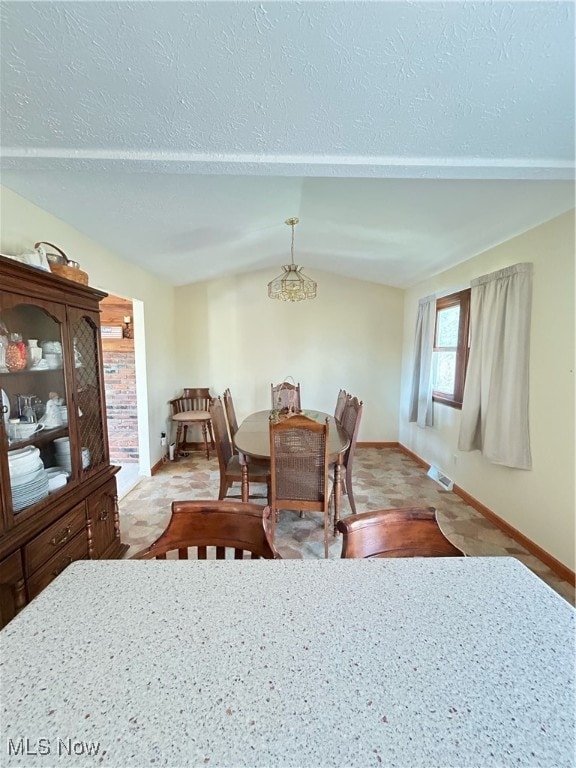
(22, 453)
(22, 457)
(52, 471)
(51, 347)
(53, 360)
(24, 471)
(24, 430)
(57, 481)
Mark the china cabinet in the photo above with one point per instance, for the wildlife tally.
(58, 499)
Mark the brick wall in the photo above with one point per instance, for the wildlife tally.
(120, 386)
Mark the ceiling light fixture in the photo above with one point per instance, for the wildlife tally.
(292, 284)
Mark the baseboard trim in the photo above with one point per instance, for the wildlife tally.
(555, 565)
(414, 456)
(156, 467)
(377, 445)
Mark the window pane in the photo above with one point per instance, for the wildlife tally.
(447, 326)
(444, 372)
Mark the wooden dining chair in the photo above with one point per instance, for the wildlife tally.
(231, 464)
(213, 529)
(230, 414)
(340, 403)
(411, 532)
(299, 468)
(191, 409)
(350, 421)
(285, 395)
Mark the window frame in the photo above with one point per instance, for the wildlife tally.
(461, 299)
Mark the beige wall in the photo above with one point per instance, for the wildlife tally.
(22, 224)
(232, 335)
(539, 503)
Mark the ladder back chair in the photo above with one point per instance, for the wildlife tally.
(411, 532)
(230, 414)
(340, 403)
(351, 415)
(299, 468)
(214, 529)
(285, 395)
(232, 466)
(191, 409)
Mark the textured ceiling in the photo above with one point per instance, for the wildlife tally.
(407, 136)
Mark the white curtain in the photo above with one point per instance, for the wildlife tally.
(421, 407)
(495, 407)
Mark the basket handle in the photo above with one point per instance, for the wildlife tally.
(60, 251)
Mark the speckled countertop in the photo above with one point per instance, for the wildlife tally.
(421, 662)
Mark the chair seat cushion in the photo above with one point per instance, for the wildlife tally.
(191, 416)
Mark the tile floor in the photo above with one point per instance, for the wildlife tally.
(383, 477)
(127, 478)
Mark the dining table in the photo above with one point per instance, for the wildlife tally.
(406, 662)
(252, 440)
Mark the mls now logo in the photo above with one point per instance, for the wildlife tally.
(43, 746)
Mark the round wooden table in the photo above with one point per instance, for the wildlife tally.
(253, 440)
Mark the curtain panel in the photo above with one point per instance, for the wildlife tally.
(495, 406)
(421, 406)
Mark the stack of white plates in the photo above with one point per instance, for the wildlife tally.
(63, 454)
(28, 477)
(63, 460)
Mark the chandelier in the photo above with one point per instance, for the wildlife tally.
(292, 284)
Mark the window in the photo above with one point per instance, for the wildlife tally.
(451, 344)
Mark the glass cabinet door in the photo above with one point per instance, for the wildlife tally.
(34, 391)
(88, 387)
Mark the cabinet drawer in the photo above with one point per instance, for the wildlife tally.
(49, 542)
(77, 549)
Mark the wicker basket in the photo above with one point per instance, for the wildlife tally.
(60, 265)
(70, 273)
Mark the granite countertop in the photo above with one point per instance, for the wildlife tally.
(417, 662)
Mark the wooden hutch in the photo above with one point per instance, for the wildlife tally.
(58, 384)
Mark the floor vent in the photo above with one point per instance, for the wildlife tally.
(441, 478)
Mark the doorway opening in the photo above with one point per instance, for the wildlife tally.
(120, 352)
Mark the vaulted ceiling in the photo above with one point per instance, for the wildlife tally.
(407, 136)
